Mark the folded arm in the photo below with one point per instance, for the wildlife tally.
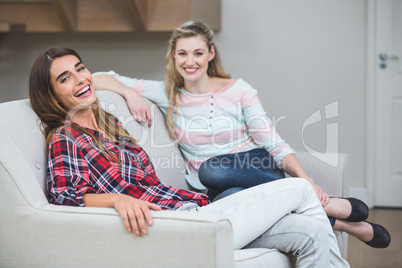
(291, 165)
(136, 104)
(264, 134)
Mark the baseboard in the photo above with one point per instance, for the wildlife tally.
(362, 194)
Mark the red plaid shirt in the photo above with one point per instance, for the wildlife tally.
(76, 166)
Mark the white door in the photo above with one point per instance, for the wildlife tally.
(388, 104)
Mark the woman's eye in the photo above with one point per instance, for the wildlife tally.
(182, 54)
(198, 54)
(64, 79)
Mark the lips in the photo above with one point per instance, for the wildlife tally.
(82, 92)
(190, 70)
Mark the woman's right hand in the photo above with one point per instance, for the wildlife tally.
(136, 213)
(139, 109)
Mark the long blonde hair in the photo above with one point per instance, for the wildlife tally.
(53, 114)
(173, 79)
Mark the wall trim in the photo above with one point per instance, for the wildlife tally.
(362, 194)
(370, 168)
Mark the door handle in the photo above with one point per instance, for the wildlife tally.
(384, 57)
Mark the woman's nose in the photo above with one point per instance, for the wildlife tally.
(190, 60)
(79, 79)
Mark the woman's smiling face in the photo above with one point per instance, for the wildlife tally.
(72, 82)
(192, 57)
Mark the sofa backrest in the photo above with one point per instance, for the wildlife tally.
(22, 149)
(164, 153)
(23, 152)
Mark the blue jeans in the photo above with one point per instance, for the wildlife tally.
(227, 174)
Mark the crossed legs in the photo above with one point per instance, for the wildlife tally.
(287, 209)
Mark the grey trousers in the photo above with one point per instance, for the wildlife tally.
(284, 215)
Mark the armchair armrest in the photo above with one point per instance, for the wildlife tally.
(96, 237)
(329, 172)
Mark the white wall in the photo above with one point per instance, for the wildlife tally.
(300, 55)
(129, 53)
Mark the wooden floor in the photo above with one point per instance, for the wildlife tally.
(362, 256)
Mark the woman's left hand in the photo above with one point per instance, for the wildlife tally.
(322, 195)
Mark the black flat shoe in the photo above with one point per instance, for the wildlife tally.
(381, 238)
(359, 212)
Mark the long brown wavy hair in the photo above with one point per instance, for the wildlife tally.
(53, 114)
(173, 79)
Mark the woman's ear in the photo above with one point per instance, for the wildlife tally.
(212, 53)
